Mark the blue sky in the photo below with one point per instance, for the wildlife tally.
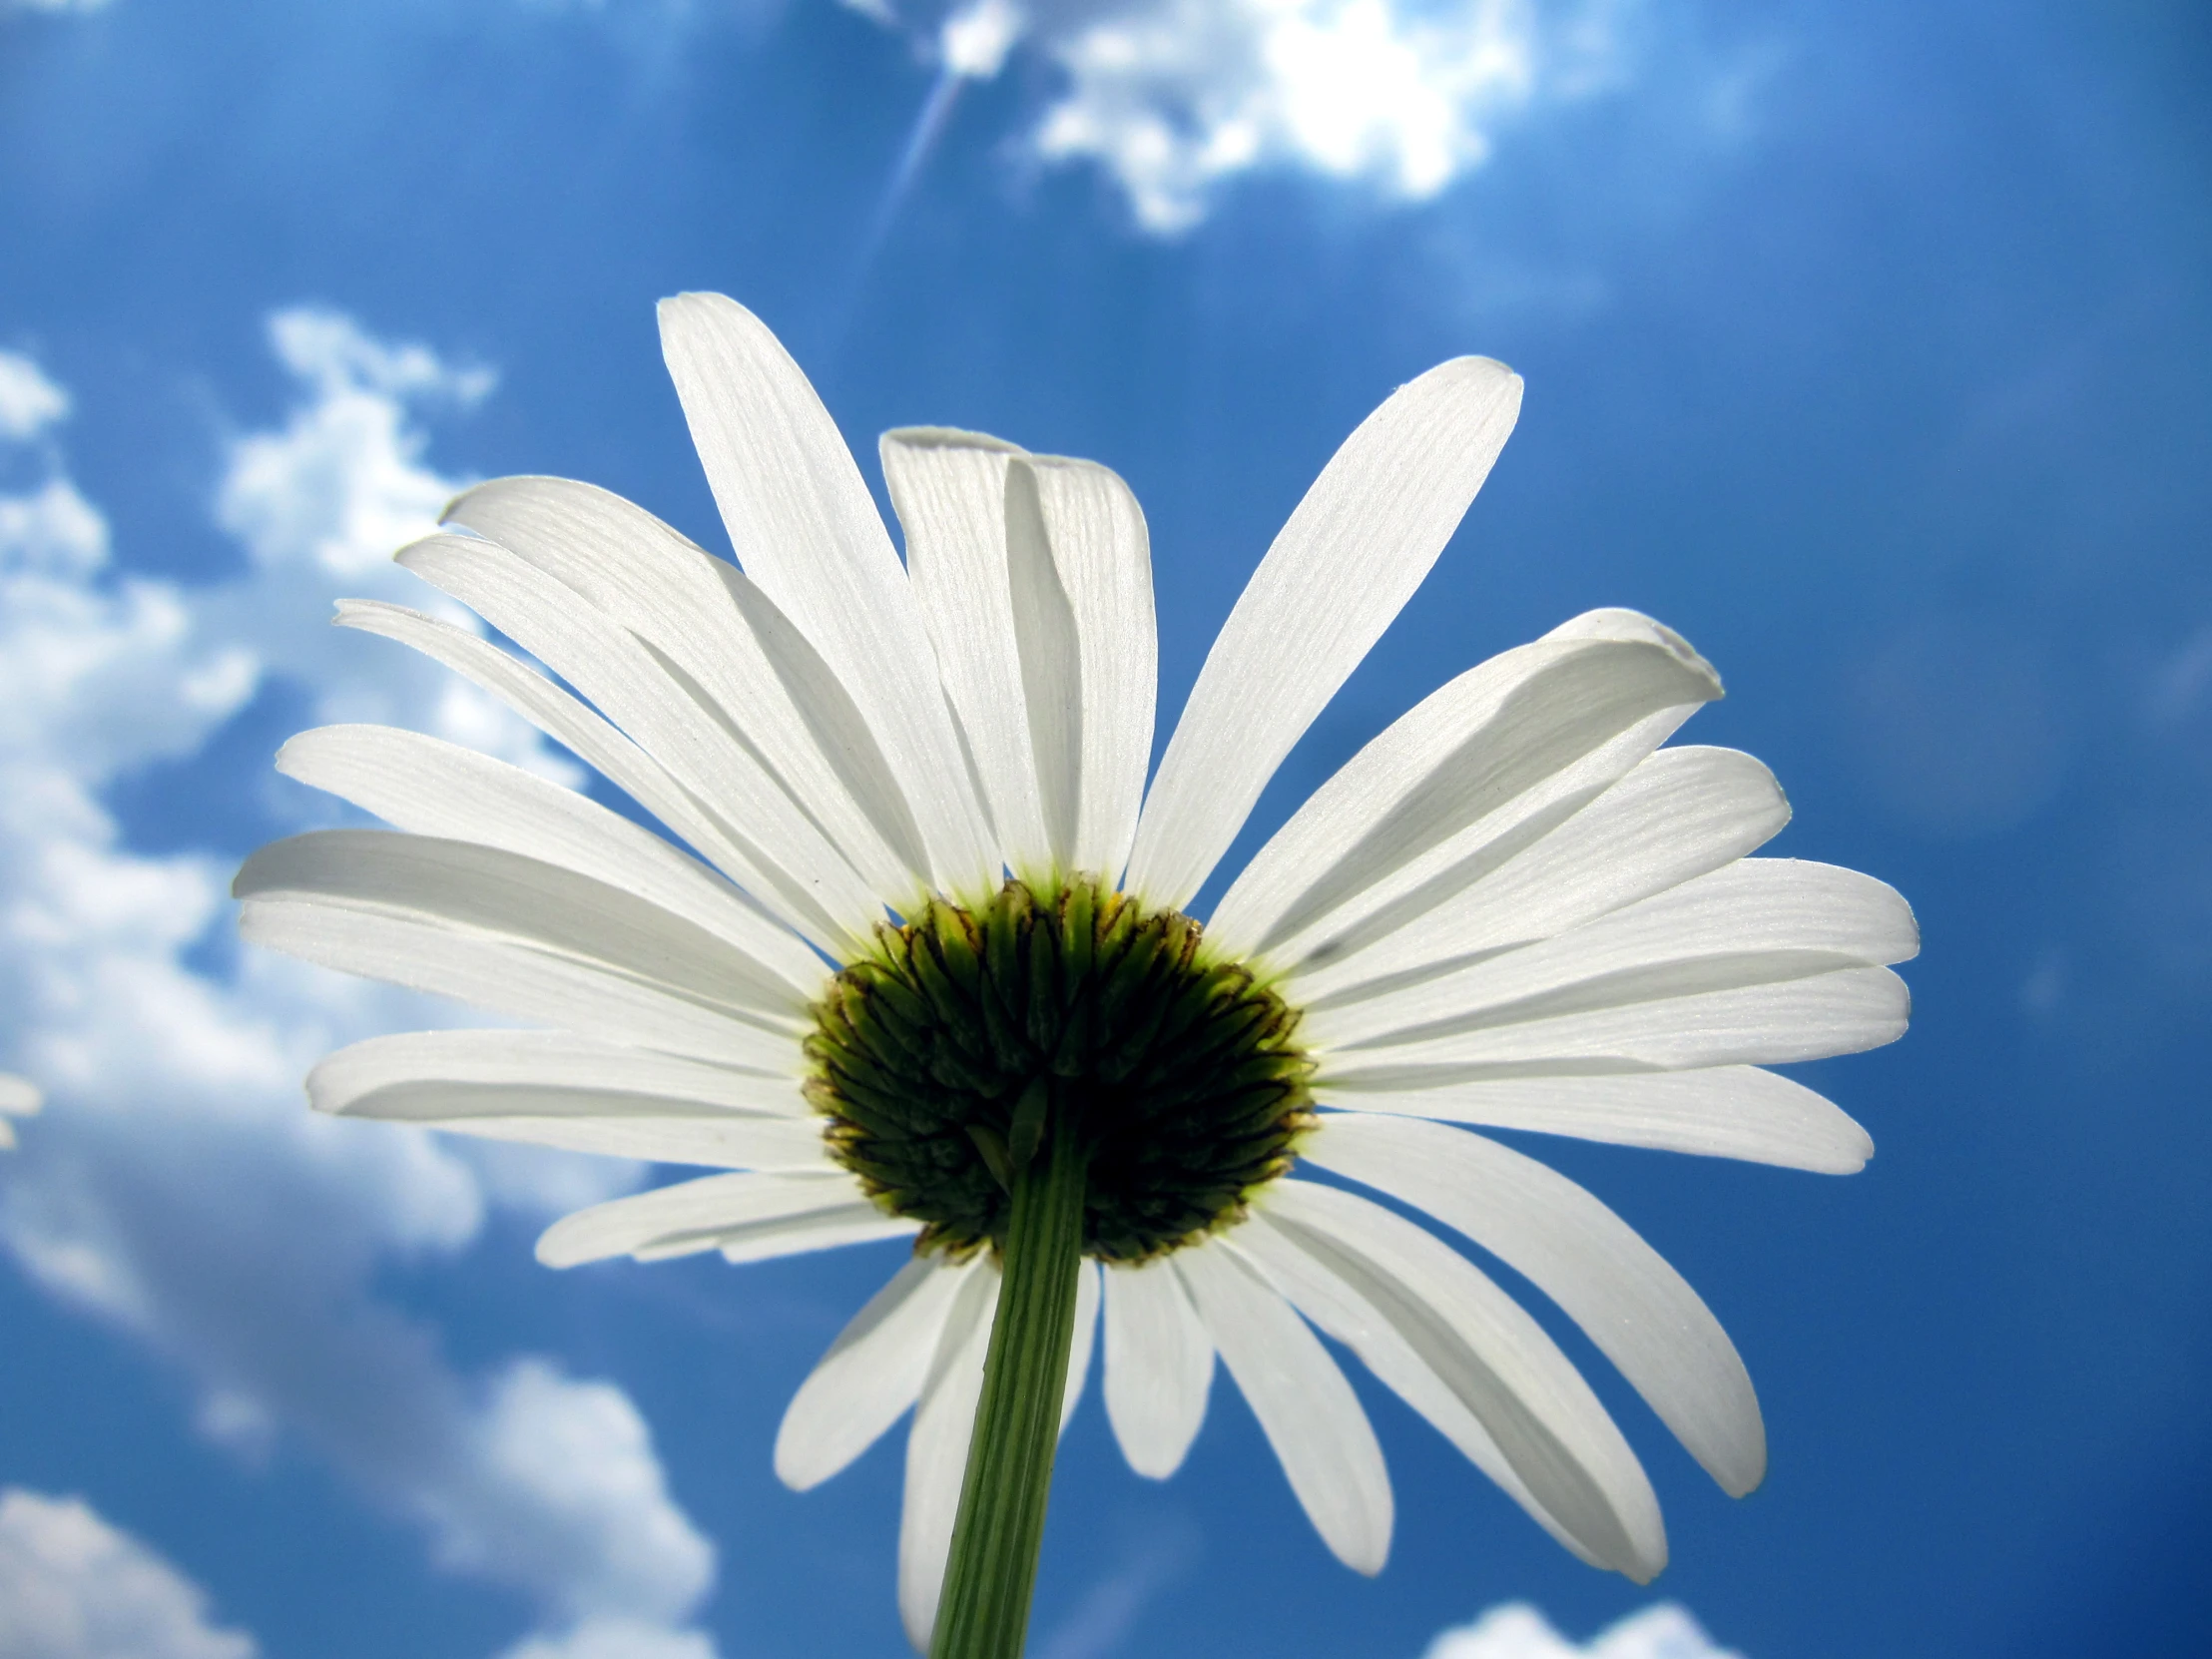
(1866, 345)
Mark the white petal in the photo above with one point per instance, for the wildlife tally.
(805, 530)
(634, 690)
(1351, 554)
(1340, 1311)
(1051, 662)
(1755, 921)
(344, 1081)
(1464, 757)
(565, 719)
(949, 491)
(554, 1089)
(830, 1228)
(1308, 1410)
(1101, 556)
(432, 788)
(702, 1215)
(481, 889)
(872, 1373)
(1497, 1361)
(1681, 812)
(1642, 1315)
(936, 1451)
(1721, 1112)
(1810, 1018)
(604, 1121)
(510, 978)
(1159, 1366)
(1034, 575)
(696, 610)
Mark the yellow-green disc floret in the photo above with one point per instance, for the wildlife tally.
(941, 1059)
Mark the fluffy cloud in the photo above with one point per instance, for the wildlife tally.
(1172, 97)
(29, 401)
(19, 1098)
(176, 1084)
(74, 1587)
(1517, 1631)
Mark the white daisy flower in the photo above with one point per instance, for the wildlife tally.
(19, 1098)
(932, 952)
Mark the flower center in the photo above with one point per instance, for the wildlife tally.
(941, 1058)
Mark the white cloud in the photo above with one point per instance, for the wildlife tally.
(180, 1190)
(1173, 97)
(19, 1098)
(565, 1470)
(1517, 1631)
(52, 530)
(343, 483)
(74, 1587)
(29, 401)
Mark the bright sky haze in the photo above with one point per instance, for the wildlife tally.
(1865, 344)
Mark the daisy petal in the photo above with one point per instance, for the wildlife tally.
(552, 1089)
(432, 788)
(1308, 1410)
(1498, 1361)
(1464, 757)
(805, 530)
(604, 1121)
(506, 976)
(1159, 1366)
(696, 611)
(1100, 557)
(597, 743)
(607, 751)
(1641, 1314)
(1343, 1313)
(1808, 1018)
(1342, 567)
(1680, 814)
(1085, 1338)
(949, 491)
(832, 1228)
(468, 887)
(936, 1451)
(634, 690)
(1722, 1112)
(1034, 575)
(343, 1081)
(872, 1373)
(693, 1216)
(1757, 922)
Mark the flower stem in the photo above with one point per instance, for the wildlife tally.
(984, 1610)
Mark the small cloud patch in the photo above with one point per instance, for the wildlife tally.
(1517, 1631)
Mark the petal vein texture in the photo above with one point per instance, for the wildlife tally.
(1342, 567)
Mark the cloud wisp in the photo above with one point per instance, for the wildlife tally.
(72, 1586)
(1516, 1630)
(179, 1189)
(1173, 98)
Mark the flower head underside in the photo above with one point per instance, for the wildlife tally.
(922, 915)
(942, 1056)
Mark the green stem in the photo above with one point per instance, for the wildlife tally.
(984, 1610)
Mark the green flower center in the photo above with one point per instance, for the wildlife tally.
(941, 1058)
